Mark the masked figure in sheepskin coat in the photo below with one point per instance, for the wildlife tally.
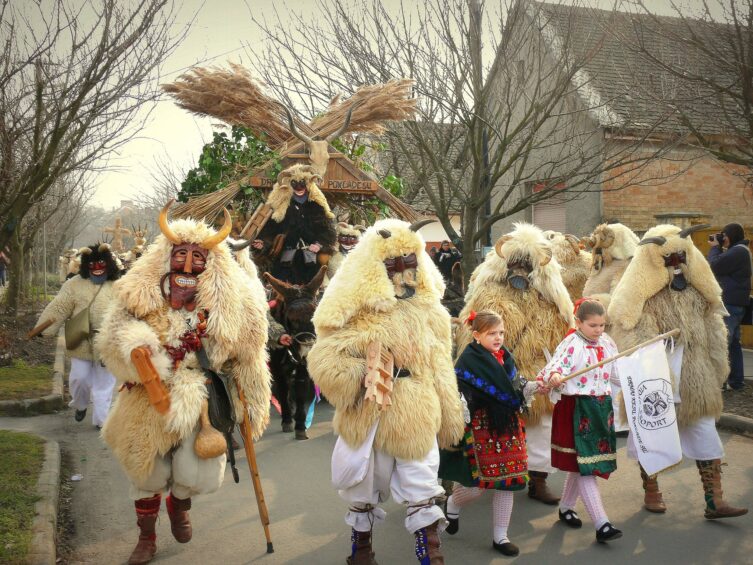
(612, 246)
(669, 284)
(184, 299)
(92, 289)
(522, 282)
(300, 236)
(388, 292)
(575, 262)
(347, 238)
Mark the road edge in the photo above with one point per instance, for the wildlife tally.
(43, 549)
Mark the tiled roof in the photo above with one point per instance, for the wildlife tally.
(639, 93)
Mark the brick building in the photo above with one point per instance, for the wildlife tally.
(618, 94)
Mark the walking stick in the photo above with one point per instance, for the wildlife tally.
(633, 349)
(254, 468)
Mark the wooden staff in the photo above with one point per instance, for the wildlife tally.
(633, 349)
(39, 329)
(254, 468)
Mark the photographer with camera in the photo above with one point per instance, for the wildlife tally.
(730, 260)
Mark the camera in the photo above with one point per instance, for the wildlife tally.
(718, 237)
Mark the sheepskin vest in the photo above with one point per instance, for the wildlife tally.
(75, 295)
(705, 365)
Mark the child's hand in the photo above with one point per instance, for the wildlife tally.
(555, 380)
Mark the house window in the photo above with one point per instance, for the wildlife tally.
(549, 214)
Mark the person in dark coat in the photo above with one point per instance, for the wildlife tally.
(446, 258)
(300, 236)
(730, 260)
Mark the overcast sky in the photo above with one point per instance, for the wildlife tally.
(220, 31)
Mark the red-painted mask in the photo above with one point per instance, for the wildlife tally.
(186, 261)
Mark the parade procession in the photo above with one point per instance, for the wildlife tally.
(429, 293)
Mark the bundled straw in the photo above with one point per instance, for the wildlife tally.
(234, 97)
(376, 104)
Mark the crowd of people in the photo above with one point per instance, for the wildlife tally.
(499, 418)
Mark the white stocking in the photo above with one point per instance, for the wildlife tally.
(502, 510)
(569, 492)
(460, 497)
(589, 492)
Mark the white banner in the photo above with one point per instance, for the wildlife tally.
(647, 390)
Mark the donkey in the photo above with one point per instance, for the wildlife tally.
(292, 384)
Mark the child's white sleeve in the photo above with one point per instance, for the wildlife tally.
(562, 362)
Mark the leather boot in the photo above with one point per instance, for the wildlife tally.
(652, 498)
(147, 510)
(180, 524)
(711, 477)
(538, 489)
(427, 545)
(360, 553)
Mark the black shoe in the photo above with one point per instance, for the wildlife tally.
(570, 518)
(301, 434)
(454, 523)
(607, 533)
(79, 415)
(507, 548)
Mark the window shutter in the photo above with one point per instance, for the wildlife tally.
(550, 215)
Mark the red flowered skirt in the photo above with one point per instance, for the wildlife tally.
(583, 438)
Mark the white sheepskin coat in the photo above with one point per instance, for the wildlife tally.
(359, 307)
(140, 316)
(644, 306)
(75, 295)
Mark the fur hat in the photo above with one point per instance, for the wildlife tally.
(647, 275)
(100, 252)
(344, 228)
(616, 239)
(362, 284)
(282, 192)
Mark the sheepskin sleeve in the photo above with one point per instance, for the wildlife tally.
(452, 425)
(60, 309)
(338, 370)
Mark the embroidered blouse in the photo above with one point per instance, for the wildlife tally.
(575, 353)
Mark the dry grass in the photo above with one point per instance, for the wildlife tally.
(233, 96)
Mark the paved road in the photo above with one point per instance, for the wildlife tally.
(307, 524)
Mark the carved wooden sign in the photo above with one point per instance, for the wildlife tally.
(342, 175)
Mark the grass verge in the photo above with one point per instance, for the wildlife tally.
(21, 458)
(22, 380)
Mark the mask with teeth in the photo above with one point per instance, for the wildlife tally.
(186, 262)
(673, 261)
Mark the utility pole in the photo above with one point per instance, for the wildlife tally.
(44, 258)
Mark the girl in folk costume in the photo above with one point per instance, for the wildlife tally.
(91, 289)
(492, 454)
(583, 438)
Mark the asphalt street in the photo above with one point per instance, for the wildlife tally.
(307, 515)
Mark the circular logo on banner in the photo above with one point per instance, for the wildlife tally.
(655, 401)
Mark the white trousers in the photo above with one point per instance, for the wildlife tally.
(89, 381)
(412, 483)
(182, 472)
(699, 441)
(539, 445)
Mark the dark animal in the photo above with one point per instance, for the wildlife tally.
(291, 383)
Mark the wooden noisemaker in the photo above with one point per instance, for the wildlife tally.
(380, 365)
(159, 397)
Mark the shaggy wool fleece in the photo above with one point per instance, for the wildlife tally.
(235, 341)
(358, 308)
(644, 306)
(575, 263)
(282, 192)
(75, 295)
(535, 319)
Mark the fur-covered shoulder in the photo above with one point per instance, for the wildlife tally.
(361, 283)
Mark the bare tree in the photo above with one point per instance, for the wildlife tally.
(74, 77)
(501, 103)
(697, 65)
